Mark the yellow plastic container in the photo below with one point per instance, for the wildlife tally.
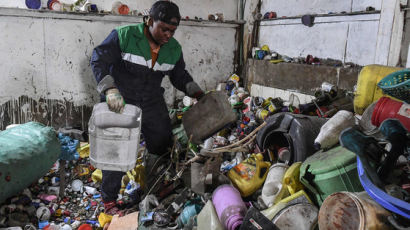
(290, 182)
(137, 174)
(367, 91)
(96, 176)
(103, 219)
(84, 150)
(298, 197)
(249, 175)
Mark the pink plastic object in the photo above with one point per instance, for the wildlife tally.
(229, 206)
(48, 198)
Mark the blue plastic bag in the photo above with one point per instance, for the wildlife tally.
(68, 148)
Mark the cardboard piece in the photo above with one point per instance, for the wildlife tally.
(127, 222)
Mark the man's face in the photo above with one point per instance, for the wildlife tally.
(161, 31)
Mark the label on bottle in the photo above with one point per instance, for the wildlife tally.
(405, 110)
(246, 170)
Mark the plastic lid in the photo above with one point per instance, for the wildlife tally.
(326, 161)
(233, 222)
(85, 227)
(33, 4)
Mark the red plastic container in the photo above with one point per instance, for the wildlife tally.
(388, 108)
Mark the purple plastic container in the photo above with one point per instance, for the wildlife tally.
(229, 206)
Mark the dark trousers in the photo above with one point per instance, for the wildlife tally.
(157, 132)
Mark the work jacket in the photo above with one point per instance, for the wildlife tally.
(123, 60)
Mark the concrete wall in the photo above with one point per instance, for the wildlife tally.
(266, 79)
(199, 8)
(44, 61)
(290, 8)
(356, 37)
(346, 38)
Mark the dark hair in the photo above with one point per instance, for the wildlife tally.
(165, 11)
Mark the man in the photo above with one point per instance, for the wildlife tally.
(129, 66)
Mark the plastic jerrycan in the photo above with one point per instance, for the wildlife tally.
(249, 175)
(299, 197)
(208, 218)
(273, 184)
(367, 91)
(290, 182)
(114, 137)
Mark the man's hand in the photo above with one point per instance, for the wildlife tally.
(193, 90)
(114, 100)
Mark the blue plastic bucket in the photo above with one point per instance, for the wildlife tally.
(388, 202)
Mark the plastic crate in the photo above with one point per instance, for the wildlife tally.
(397, 84)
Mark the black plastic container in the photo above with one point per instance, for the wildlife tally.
(211, 114)
(294, 131)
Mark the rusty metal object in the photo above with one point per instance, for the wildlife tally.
(351, 211)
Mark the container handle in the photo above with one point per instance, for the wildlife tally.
(307, 182)
(263, 165)
(111, 133)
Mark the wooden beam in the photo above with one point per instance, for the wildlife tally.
(397, 36)
(408, 58)
(385, 31)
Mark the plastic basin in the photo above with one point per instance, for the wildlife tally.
(388, 202)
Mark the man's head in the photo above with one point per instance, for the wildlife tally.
(163, 20)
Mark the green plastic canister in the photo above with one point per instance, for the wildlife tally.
(326, 172)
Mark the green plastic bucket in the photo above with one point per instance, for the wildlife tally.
(326, 172)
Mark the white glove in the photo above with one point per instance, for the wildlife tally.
(114, 100)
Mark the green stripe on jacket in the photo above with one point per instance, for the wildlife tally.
(134, 42)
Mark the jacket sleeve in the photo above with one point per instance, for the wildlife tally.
(179, 75)
(103, 59)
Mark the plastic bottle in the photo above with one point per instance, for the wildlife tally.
(249, 175)
(187, 213)
(229, 206)
(65, 227)
(329, 88)
(77, 185)
(208, 219)
(330, 131)
(43, 213)
(261, 114)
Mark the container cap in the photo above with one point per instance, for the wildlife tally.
(325, 161)
(85, 227)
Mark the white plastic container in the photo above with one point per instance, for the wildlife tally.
(330, 131)
(301, 216)
(114, 137)
(273, 184)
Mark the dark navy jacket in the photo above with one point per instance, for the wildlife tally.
(123, 60)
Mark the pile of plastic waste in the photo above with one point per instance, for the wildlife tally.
(273, 163)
